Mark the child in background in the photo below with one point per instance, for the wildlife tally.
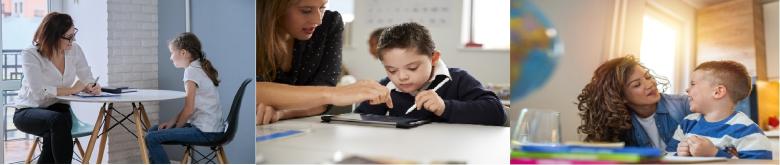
(414, 68)
(201, 118)
(373, 41)
(715, 128)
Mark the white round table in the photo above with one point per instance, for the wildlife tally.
(139, 113)
(142, 95)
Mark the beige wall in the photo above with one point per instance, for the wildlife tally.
(770, 32)
(583, 27)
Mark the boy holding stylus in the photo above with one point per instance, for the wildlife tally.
(423, 87)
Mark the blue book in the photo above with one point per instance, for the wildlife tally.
(641, 151)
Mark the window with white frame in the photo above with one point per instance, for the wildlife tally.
(347, 10)
(661, 46)
(486, 23)
(20, 19)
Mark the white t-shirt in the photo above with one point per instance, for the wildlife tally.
(652, 131)
(208, 114)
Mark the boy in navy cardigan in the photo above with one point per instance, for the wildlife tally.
(414, 68)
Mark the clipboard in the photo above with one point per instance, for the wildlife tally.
(374, 120)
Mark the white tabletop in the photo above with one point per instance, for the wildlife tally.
(142, 95)
(321, 142)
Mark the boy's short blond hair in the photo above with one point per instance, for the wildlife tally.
(731, 74)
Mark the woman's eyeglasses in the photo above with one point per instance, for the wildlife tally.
(71, 38)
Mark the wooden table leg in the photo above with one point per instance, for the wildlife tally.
(93, 137)
(143, 114)
(141, 136)
(106, 125)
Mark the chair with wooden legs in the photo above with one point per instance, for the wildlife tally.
(78, 129)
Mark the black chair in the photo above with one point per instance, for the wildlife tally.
(217, 149)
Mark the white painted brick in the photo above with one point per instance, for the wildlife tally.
(132, 43)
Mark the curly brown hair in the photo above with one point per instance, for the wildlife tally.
(603, 106)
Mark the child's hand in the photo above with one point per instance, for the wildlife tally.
(167, 125)
(431, 101)
(700, 146)
(683, 149)
(266, 114)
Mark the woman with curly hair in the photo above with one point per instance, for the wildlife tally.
(622, 103)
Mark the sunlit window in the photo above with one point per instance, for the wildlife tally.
(659, 49)
(490, 24)
(20, 19)
(347, 10)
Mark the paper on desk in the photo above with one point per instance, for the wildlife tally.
(596, 144)
(102, 94)
(689, 159)
(772, 133)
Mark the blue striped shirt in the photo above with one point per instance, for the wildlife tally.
(736, 131)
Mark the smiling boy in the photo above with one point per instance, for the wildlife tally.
(715, 128)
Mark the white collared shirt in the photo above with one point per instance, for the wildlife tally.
(208, 114)
(42, 78)
(439, 69)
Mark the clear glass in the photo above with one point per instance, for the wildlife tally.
(537, 127)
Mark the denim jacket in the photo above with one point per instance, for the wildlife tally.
(670, 110)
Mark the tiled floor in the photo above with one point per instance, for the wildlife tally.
(16, 150)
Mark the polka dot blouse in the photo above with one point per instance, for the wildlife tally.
(317, 61)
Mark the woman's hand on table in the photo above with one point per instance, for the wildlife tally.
(363, 90)
(75, 89)
(266, 114)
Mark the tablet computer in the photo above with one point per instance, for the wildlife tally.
(374, 120)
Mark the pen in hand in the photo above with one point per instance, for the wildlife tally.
(94, 84)
(434, 89)
(96, 80)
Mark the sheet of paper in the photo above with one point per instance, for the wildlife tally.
(688, 159)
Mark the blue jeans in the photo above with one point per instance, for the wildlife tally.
(185, 135)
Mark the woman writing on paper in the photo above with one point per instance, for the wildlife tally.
(53, 66)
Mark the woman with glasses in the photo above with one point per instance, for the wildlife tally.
(52, 66)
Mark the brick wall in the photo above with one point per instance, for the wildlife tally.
(132, 57)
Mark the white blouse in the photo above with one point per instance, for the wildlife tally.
(42, 78)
